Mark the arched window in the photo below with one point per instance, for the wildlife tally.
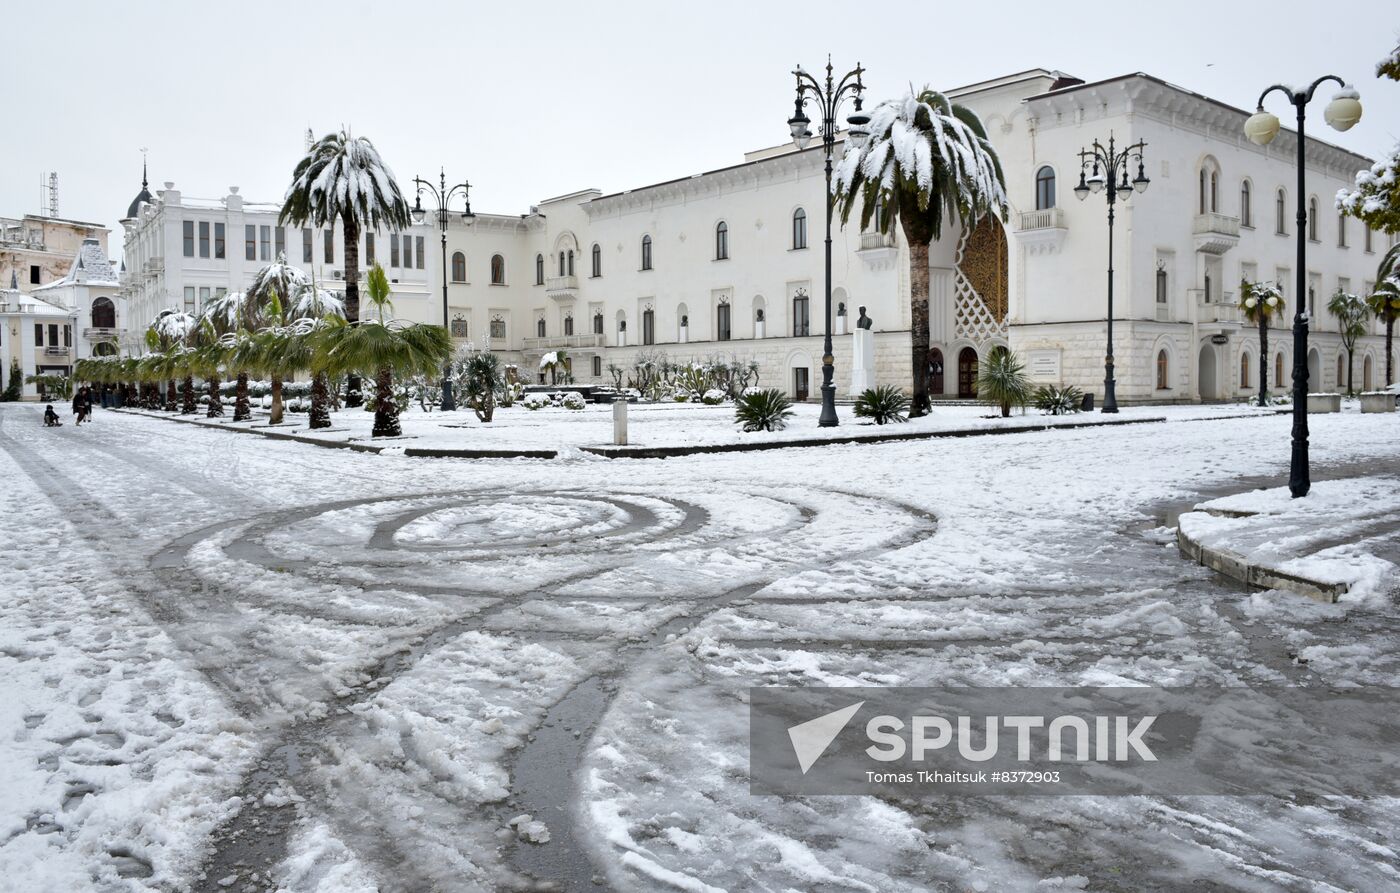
(561, 263)
(1246, 212)
(598, 322)
(539, 269)
(498, 326)
(646, 252)
(1244, 370)
(1341, 371)
(597, 262)
(1280, 214)
(1210, 187)
(1341, 230)
(799, 228)
(722, 241)
(1312, 219)
(498, 270)
(459, 267)
(568, 324)
(1214, 191)
(1278, 369)
(1162, 370)
(571, 263)
(539, 327)
(1044, 188)
(104, 314)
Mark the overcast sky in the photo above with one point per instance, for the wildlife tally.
(531, 100)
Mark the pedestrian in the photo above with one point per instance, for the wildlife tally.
(51, 417)
(82, 405)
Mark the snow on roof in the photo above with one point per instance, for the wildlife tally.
(15, 301)
(90, 267)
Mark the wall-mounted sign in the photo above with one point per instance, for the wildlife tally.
(1220, 339)
(1043, 365)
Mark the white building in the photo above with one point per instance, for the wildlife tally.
(730, 261)
(53, 325)
(180, 252)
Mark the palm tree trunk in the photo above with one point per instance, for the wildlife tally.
(353, 396)
(320, 409)
(1351, 367)
(276, 400)
(241, 410)
(1389, 341)
(386, 411)
(918, 325)
(170, 398)
(216, 403)
(187, 401)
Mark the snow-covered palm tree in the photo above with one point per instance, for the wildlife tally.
(926, 157)
(343, 178)
(170, 334)
(1262, 301)
(1351, 312)
(1384, 301)
(269, 299)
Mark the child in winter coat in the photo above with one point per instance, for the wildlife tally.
(51, 417)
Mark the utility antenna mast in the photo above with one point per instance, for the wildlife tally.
(48, 183)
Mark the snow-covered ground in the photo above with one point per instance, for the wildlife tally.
(677, 424)
(235, 663)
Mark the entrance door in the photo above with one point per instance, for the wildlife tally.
(800, 383)
(967, 373)
(935, 372)
(1205, 374)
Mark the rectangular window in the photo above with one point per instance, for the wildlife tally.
(219, 293)
(306, 246)
(220, 252)
(419, 240)
(204, 297)
(801, 318)
(722, 329)
(279, 242)
(189, 300)
(67, 336)
(393, 250)
(1341, 230)
(265, 243)
(250, 242)
(568, 325)
(1368, 242)
(188, 228)
(597, 367)
(53, 334)
(649, 327)
(38, 334)
(330, 246)
(407, 251)
(369, 250)
(203, 238)
(597, 323)
(34, 274)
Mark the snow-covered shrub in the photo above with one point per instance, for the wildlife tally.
(680, 395)
(535, 400)
(713, 397)
(763, 410)
(298, 404)
(573, 400)
(1058, 401)
(882, 404)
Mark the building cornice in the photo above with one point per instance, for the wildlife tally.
(726, 179)
(1142, 95)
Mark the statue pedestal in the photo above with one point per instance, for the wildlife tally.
(862, 361)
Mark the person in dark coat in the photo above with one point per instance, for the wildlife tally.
(51, 417)
(82, 405)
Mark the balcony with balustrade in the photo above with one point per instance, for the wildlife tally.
(878, 250)
(1215, 233)
(1043, 229)
(561, 288)
(1220, 308)
(589, 341)
(102, 333)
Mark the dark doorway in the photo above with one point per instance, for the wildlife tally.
(935, 372)
(967, 373)
(800, 384)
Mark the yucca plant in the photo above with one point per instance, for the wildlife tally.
(483, 379)
(1053, 400)
(765, 410)
(1384, 303)
(1001, 379)
(882, 404)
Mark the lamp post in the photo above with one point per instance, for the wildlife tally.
(1108, 167)
(828, 98)
(1342, 112)
(443, 197)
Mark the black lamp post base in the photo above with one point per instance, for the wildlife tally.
(1110, 397)
(828, 417)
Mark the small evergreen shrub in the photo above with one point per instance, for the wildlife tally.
(882, 404)
(763, 410)
(573, 400)
(535, 400)
(1058, 401)
(713, 397)
(1002, 380)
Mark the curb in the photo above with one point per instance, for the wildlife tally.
(1256, 576)
(667, 452)
(416, 452)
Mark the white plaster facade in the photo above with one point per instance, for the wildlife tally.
(180, 252)
(526, 285)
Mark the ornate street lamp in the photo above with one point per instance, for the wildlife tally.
(828, 99)
(443, 197)
(1107, 169)
(1341, 114)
